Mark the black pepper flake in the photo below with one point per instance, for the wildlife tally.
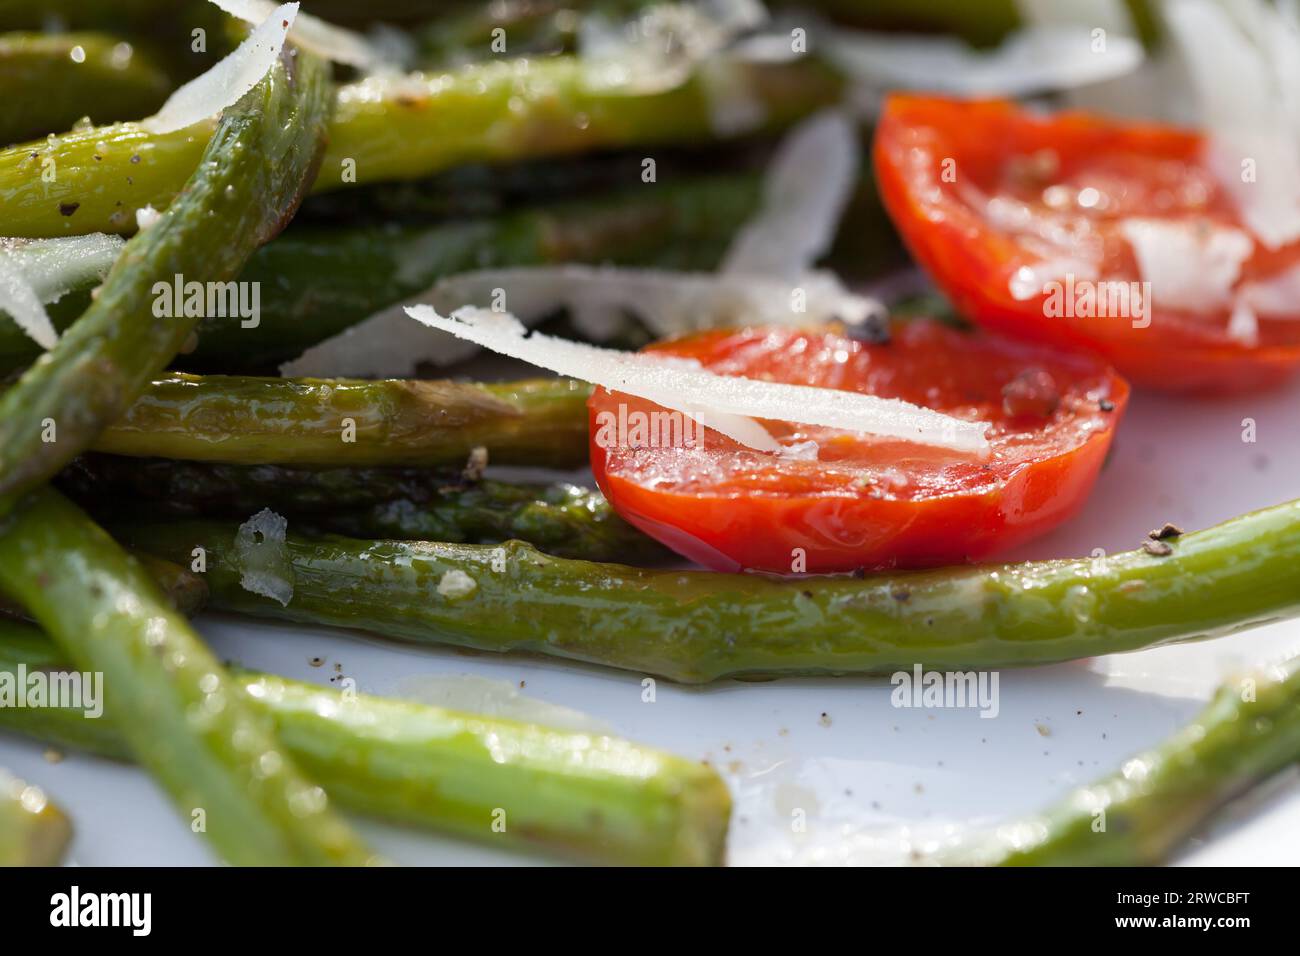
(1106, 405)
(1165, 532)
(68, 208)
(900, 594)
(873, 331)
(1159, 549)
(135, 158)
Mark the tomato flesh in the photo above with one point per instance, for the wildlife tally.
(859, 501)
(987, 195)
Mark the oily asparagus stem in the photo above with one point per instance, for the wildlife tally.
(33, 830)
(314, 281)
(48, 82)
(353, 422)
(694, 626)
(175, 705)
(396, 128)
(411, 503)
(185, 591)
(248, 184)
(550, 184)
(1140, 815)
(581, 794)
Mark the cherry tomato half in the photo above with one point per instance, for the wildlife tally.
(1009, 209)
(857, 501)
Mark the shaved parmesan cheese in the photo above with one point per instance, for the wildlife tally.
(1243, 324)
(598, 298)
(1032, 60)
(723, 402)
(386, 345)
(262, 557)
(456, 585)
(54, 267)
(1277, 296)
(146, 217)
(1243, 59)
(660, 49)
(38, 271)
(1190, 265)
(223, 85)
(669, 303)
(19, 300)
(806, 188)
(311, 33)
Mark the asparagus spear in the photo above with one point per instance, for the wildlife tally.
(33, 831)
(50, 81)
(1139, 815)
(584, 795)
(247, 185)
(695, 626)
(316, 281)
(353, 422)
(185, 591)
(173, 703)
(422, 504)
(410, 127)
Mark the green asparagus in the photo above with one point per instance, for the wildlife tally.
(408, 127)
(49, 82)
(695, 626)
(1141, 814)
(581, 794)
(421, 504)
(353, 422)
(315, 281)
(185, 591)
(33, 831)
(173, 702)
(242, 193)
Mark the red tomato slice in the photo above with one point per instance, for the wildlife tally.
(983, 191)
(866, 502)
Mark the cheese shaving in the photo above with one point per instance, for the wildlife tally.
(806, 187)
(1191, 266)
(311, 33)
(36, 272)
(1243, 59)
(209, 93)
(726, 403)
(1035, 59)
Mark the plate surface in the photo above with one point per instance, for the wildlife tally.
(865, 774)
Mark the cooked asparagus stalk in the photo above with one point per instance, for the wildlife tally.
(247, 186)
(1141, 814)
(48, 82)
(314, 281)
(33, 831)
(581, 794)
(416, 504)
(353, 422)
(176, 707)
(410, 127)
(185, 591)
(695, 626)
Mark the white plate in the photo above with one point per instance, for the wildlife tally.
(866, 769)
